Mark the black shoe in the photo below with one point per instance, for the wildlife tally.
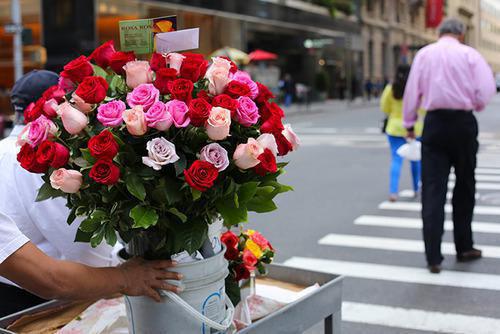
(470, 255)
(434, 268)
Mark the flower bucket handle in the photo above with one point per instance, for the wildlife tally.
(223, 326)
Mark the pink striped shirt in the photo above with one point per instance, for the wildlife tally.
(447, 75)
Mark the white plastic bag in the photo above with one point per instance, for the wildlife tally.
(411, 150)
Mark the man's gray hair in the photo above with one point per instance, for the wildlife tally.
(452, 26)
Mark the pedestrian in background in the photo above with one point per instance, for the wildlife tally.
(288, 89)
(449, 80)
(391, 104)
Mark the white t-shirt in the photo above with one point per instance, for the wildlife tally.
(11, 239)
(44, 223)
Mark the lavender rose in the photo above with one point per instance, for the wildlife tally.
(216, 155)
(158, 117)
(247, 113)
(110, 114)
(144, 95)
(160, 153)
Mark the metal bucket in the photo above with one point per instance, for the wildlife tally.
(199, 308)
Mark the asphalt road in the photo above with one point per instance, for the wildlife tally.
(340, 176)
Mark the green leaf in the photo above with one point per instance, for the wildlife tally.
(143, 217)
(180, 165)
(99, 71)
(247, 191)
(87, 156)
(261, 205)
(191, 235)
(90, 225)
(178, 214)
(135, 187)
(231, 214)
(71, 216)
(196, 194)
(110, 235)
(82, 236)
(236, 200)
(97, 237)
(46, 191)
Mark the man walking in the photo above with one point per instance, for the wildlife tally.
(449, 80)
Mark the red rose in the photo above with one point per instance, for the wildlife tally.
(194, 67)
(181, 89)
(241, 272)
(267, 163)
(158, 62)
(78, 69)
(54, 92)
(249, 260)
(33, 111)
(27, 159)
(119, 59)
(225, 101)
(203, 94)
(230, 239)
(105, 172)
(92, 89)
(272, 125)
(232, 254)
(102, 55)
(268, 110)
(264, 94)
(103, 146)
(199, 110)
(201, 175)
(234, 67)
(284, 146)
(163, 77)
(52, 154)
(236, 89)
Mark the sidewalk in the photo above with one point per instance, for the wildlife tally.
(328, 105)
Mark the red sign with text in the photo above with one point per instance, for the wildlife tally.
(434, 13)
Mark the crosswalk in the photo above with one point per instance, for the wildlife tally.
(402, 219)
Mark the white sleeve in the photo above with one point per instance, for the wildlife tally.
(11, 239)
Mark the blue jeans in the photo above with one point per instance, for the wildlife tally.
(288, 99)
(397, 163)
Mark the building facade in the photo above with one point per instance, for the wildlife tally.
(489, 32)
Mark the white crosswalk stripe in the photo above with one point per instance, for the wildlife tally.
(487, 170)
(417, 207)
(480, 177)
(407, 193)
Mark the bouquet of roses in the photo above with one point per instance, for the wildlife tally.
(156, 151)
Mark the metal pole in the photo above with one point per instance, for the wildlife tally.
(18, 42)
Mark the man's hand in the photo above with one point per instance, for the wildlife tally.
(410, 133)
(144, 278)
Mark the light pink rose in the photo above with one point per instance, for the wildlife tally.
(68, 181)
(135, 121)
(267, 140)
(50, 108)
(160, 153)
(65, 84)
(291, 136)
(80, 104)
(74, 121)
(174, 60)
(158, 117)
(144, 95)
(218, 75)
(216, 155)
(180, 113)
(111, 113)
(245, 78)
(246, 155)
(138, 72)
(218, 123)
(37, 131)
(247, 113)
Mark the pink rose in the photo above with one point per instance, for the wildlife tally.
(138, 72)
(291, 136)
(111, 113)
(216, 155)
(144, 95)
(218, 123)
(158, 117)
(218, 75)
(80, 104)
(246, 155)
(244, 77)
(175, 60)
(37, 131)
(50, 108)
(267, 140)
(180, 113)
(74, 121)
(68, 181)
(247, 113)
(135, 121)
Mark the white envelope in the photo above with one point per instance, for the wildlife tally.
(180, 40)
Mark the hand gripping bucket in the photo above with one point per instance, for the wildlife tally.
(199, 309)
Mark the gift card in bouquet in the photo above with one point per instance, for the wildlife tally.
(181, 40)
(139, 35)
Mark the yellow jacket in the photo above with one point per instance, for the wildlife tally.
(394, 110)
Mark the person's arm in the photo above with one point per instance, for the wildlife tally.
(484, 81)
(412, 95)
(385, 100)
(49, 278)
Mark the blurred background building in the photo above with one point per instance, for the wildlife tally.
(331, 47)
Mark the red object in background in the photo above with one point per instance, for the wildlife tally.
(262, 55)
(433, 13)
